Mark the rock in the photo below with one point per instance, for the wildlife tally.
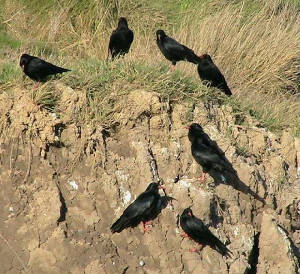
(275, 250)
(42, 261)
(94, 267)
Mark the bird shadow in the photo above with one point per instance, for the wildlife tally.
(230, 177)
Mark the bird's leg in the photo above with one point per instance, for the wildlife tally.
(195, 249)
(185, 235)
(145, 224)
(172, 68)
(36, 85)
(203, 177)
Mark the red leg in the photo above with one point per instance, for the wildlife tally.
(145, 228)
(36, 85)
(172, 68)
(203, 177)
(184, 235)
(195, 249)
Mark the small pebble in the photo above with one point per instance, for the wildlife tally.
(142, 263)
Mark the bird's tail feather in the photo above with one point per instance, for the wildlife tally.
(63, 70)
(119, 225)
(193, 58)
(221, 248)
(227, 90)
(57, 69)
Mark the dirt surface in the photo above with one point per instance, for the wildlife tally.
(64, 183)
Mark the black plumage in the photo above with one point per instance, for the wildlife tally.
(120, 39)
(209, 72)
(143, 209)
(206, 152)
(173, 50)
(198, 231)
(37, 69)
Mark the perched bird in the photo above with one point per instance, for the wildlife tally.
(120, 39)
(207, 154)
(195, 229)
(143, 209)
(38, 69)
(173, 50)
(209, 72)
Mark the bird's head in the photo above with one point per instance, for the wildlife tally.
(205, 56)
(160, 34)
(24, 60)
(188, 211)
(195, 130)
(154, 187)
(122, 22)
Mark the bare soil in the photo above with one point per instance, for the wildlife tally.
(64, 183)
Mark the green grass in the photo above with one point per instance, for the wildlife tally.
(7, 41)
(9, 72)
(45, 97)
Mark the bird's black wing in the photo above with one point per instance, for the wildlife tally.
(130, 36)
(135, 212)
(213, 74)
(199, 232)
(140, 206)
(211, 144)
(205, 153)
(113, 40)
(195, 228)
(120, 41)
(40, 69)
(177, 50)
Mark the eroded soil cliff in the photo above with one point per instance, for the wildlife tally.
(63, 183)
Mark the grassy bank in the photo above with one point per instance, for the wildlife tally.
(256, 46)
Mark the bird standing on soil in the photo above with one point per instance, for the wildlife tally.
(209, 72)
(206, 153)
(195, 229)
(37, 69)
(143, 209)
(173, 50)
(120, 39)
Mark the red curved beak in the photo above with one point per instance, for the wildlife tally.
(188, 127)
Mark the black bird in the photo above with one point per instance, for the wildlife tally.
(207, 154)
(209, 72)
(143, 209)
(120, 39)
(173, 50)
(37, 69)
(198, 231)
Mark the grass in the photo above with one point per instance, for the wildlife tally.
(8, 73)
(44, 97)
(256, 46)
